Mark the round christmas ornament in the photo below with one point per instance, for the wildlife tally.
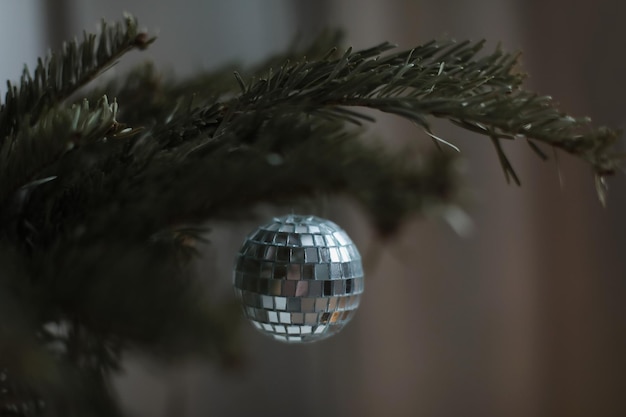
(299, 278)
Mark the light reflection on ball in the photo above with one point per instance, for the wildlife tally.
(299, 278)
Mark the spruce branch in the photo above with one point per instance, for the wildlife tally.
(152, 98)
(31, 157)
(439, 79)
(61, 75)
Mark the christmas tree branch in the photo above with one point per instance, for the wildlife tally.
(61, 75)
(446, 80)
(54, 134)
(439, 79)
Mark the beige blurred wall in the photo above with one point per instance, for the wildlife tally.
(523, 318)
(22, 26)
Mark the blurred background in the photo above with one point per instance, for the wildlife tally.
(523, 317)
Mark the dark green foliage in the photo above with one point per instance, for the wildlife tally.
(60, 75)
(100, 220)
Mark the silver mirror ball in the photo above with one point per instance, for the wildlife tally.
(299, 278)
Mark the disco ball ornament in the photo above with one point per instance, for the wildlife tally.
(299, 278)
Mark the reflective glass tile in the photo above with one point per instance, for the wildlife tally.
(267, 237)
(293, 272)
(335, 316)
(315, 288)
(294, 338)
(251, 266)
(301, 229)
(293, 329)
(249, 250)
(341, 238)
(334, 255)
(293, 240)
(324, 229)
(297, 318)
(259, 315)
(319, 240)
(348, 285)
(293, 304)
(297, 255)
(251, 283)
(302, 288)
(281, 338)
(267, 302)
(285, 318)
(282, 254)
(346, 270)
(308, 271)
(310, 255)
(321, 304)
(330, 241)
(275, 287)
(321, 271)
(289, 288)
(324, 255)
(267, 270)
(270, 253)
(280, 238)
(311, 318)
(342, 303)
(320, 329)
(325, 317)
(281, 303)
(345, 256)
(339, 287)
(272, 317)
(286, 228)
(280, 271)
(350, 301)
(279, 329)
(307, 240)
(307, 305)
(314, 229)
(262, 286)
(332, 303)
(306, 329)
(336, 271)
(259, 253)
(328, 288)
